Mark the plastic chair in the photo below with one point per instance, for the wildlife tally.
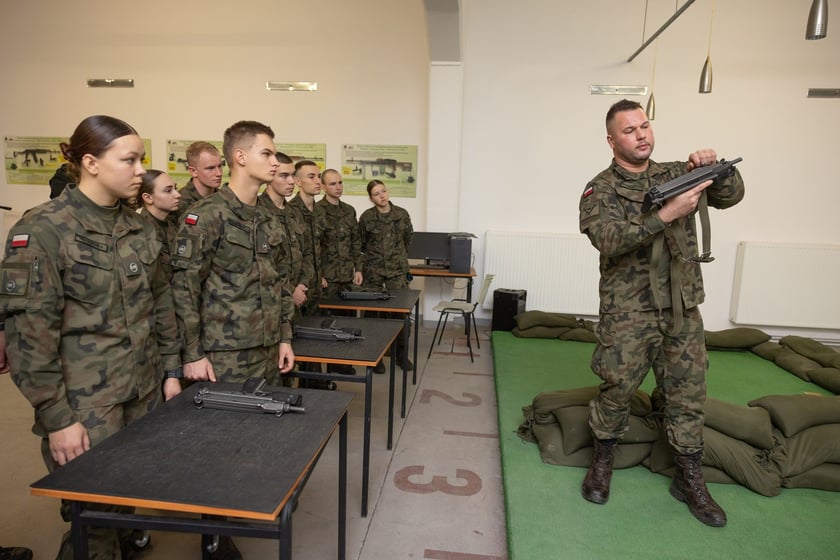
(466, 310)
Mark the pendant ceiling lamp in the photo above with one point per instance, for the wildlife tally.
(817, 20)
(706, 73)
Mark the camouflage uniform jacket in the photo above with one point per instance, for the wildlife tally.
(229, 276)
(293, 234)
(90, 319)
(311, 244)
(611, 216)
(165, 231)
(189, 196)
(341, 242)
(385, 241)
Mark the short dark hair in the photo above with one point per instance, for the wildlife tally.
(240, 133)
(618, 107)
(283, 158)
(304, 163)
(93, 136)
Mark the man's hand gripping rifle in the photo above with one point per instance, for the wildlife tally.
(659, 194)
(251, 399)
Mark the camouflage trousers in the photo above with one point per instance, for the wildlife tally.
(629, 345)
(103, 543)
(237, 366)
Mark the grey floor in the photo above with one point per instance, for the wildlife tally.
(436, 495)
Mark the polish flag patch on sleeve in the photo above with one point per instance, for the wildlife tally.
(191, 219)
(20, 240)
(589, 190)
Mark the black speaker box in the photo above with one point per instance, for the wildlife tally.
(460, 254)
(507, 304)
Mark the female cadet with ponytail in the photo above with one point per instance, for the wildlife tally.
(89, 318)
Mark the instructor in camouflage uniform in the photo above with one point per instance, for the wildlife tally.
(88, 311)
(230, 269)
(650, 289)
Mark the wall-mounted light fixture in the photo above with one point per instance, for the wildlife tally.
(817, 20)
(291, 86)
(617, 90)
(826, 93)
(111, 82)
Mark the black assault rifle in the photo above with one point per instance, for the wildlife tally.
(250, 399)
(659, 194)
(327, 331)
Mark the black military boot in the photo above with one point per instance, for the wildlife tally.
(689, 487)
(596, 485)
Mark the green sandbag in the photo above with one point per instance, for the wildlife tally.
(812, 447)
(767, 350)
(794, 413)
(747, 465)
(544, 404)
(550, 441)
(579, 334)
(740, 337)
(748, 424)
(574, 424)
(795, 363)
(540, 332)
(810, 348)
(821, 477)
(827, 378)
(528, 319)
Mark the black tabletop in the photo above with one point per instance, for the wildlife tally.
(401, 302)
(181, 458)
(377, 337)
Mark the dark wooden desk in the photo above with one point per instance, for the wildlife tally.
(444, 273)
(378, 335)
(178, 458)
(402, 302)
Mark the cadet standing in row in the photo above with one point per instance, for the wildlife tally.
(341, 246)
(205, 165)
(386, 233)
(230, 269)
(88, 311)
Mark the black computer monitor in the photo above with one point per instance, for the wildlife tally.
(431, 247)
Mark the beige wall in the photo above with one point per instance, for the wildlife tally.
(200, 66)
(533, 136)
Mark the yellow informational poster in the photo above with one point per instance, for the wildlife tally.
(396, 166)
(33, 160)
(316, 153)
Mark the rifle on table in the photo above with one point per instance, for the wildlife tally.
(659, 194)
(250, 399)
(364, 295)
(327, 331)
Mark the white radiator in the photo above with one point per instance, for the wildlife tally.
(787, 285)
(559, 271)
